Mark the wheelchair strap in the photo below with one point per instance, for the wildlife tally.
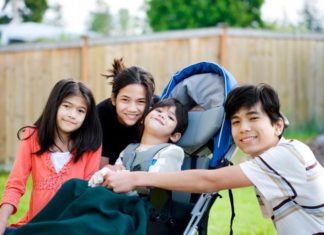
(230, 194)
(140, 161)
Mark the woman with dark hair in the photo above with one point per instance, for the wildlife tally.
(121, 114)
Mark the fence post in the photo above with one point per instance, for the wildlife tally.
(85, 59)
(223, 48)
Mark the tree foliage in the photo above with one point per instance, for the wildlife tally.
(124, 20)
(101, 19)
(312, 20)
(35, 10)
(29, 10)
(100, 22)
(182, 14)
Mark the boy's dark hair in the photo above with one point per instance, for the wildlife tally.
(249, 95)
(181, 113)
(123, 76)
(87, 138)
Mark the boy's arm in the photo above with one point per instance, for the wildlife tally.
(197, 181)
(99, 176)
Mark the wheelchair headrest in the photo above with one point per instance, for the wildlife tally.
(202, 126)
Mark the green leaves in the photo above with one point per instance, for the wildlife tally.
(184, 14)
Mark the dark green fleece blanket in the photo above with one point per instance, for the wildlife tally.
(78, 209)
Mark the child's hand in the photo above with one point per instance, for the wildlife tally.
(98, 177)
(5, 211)
(121, 181)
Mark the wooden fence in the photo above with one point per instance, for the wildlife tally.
(292, 63)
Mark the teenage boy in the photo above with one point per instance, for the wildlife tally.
(287, 177)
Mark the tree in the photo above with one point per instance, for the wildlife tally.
(312, 20)
(101, 19)
(124, 19)
(182, 14)
(24, 10)
(35, 10)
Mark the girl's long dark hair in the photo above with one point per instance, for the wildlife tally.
(87, 138)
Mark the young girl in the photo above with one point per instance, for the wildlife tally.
(79, 209)
(64, 143)
(120, 115)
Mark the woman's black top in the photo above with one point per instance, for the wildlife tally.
(115, 135)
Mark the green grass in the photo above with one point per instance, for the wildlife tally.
(303, 133)
(248, 218)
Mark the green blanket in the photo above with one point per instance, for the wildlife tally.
(79, 209)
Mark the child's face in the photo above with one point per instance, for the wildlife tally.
(162, 121)
(253, 132)
(130, 104)
(71, 114)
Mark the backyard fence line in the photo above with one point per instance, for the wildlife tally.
(291, 62)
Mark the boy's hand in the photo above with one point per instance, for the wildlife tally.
(98, 177)
(120, 181)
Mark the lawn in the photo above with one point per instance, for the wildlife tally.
(248, 218)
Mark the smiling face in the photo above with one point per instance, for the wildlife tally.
(253, 132)
(130, 104)
(70, 114)
(161, 121)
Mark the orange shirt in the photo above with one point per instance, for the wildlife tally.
(45, 180)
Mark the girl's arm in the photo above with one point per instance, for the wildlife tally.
(5, 211)
(16, 183)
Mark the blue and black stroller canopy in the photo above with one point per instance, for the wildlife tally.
(204, 86)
